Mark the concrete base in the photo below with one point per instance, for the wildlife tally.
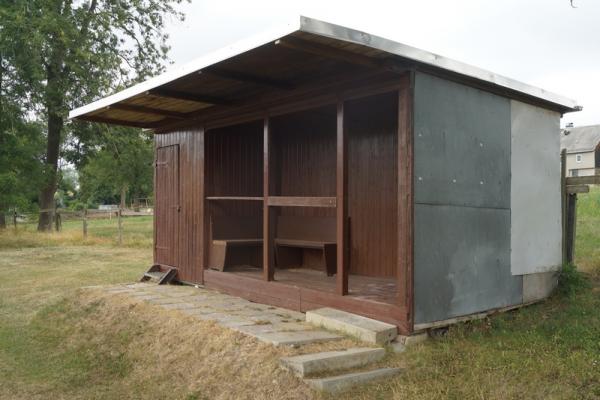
(296, 338)
(365, 329)
(538, 286)
(342, 382)
(413, 339)
(332, 360)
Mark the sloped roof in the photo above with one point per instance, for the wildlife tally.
(281, 60)
(580, 139)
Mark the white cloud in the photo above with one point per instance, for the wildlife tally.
(542, 42)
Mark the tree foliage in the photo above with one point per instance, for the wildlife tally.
(122, 164)
(65, 53)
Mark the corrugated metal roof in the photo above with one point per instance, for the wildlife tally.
(580, 139)
(232, 74)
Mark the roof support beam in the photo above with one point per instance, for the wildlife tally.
(248, 78)
(340, 55)
(198, 98)
(96, 118)
(148, 110)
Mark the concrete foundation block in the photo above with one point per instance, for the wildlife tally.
(365, 329)
(413, 339)
(342, 382)
(332, 360)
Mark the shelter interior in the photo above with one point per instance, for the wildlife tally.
(301, 197)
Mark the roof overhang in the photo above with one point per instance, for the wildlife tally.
(263, 63)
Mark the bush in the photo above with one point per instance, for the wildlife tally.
(570, 280)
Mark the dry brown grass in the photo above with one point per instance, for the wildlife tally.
(176, 356)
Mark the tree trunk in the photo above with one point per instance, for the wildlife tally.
(55, 126)
(123, 197)
(2, 220)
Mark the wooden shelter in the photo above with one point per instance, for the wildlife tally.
(315, 165)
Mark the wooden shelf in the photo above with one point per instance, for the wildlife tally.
(243, 198)
(287, 201)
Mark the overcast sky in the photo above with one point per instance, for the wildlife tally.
(546, 43)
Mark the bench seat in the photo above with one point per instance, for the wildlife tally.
(235, 240)
(305, 233)
(239, 242)
(309, 244)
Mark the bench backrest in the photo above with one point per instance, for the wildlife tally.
(319, 229)
(233, 227)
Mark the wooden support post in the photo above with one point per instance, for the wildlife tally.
(120, 226)
(85, 231)
(571, 226)
(268, 214)
(204, 216)
(563, 201)
(342, 204)
(404, 274)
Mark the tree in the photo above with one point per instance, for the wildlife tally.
(68, 52)
(122, 166)
(21, 143)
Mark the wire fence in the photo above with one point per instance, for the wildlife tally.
(110, 223)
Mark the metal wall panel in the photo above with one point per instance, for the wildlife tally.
(536, 230)
(462, 201)
(461, 145)
(462, 262)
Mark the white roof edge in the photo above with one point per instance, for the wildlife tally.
(425, 57)
(326, 29)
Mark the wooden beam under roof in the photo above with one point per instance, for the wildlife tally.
(341, 55)
(114, 121)
(198, 98)
(149, 110)
(248, 78)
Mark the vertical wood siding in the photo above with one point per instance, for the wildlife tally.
(190, 202)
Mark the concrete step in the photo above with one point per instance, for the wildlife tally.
(342, 382)
(332, 360)
(296, 338)
(365, 329)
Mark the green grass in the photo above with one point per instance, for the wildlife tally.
(57, 343)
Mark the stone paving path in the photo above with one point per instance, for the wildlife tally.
(274, 325)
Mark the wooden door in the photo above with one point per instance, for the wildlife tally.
(166, 207)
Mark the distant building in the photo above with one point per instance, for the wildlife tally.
(583, 152)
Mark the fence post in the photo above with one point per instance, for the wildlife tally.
(563, 202)
(85, 223)
(120, 225)
(57, 221)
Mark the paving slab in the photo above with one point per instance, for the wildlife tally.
(366, 329)
(307, 364)
(255, 329)
(164, 300)
(297, 338)
(339, 383)
(179, 306)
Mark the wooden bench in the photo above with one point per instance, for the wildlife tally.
(305, 233)
(235, 241)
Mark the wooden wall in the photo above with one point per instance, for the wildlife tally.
(371, 127)
(304, 153)
(234, 168)
(190, 192)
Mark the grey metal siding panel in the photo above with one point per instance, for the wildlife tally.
(462, 183)
(461, 145)
(462, 262)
